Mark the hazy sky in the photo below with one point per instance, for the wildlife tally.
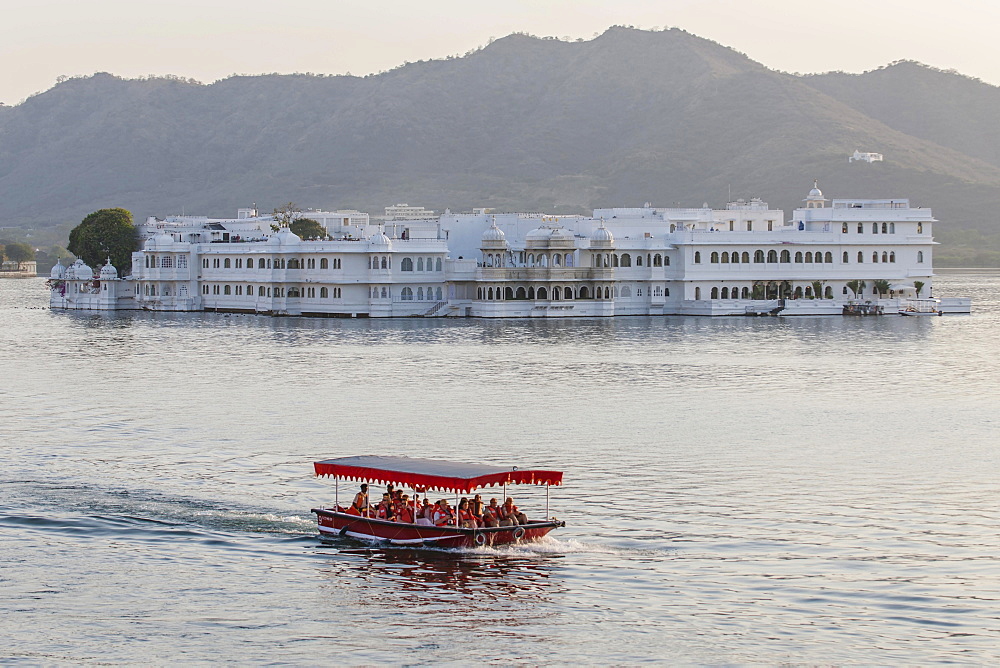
(210, 39)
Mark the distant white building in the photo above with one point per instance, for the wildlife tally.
(406, 212)
(745, 258)
(858, 156)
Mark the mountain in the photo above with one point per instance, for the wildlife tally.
(523, 123)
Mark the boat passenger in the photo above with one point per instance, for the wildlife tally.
(503, 518)
(491, 515)
(424, 513)
(405, 511)
(442, 514)
(384, 510)
(477, 507)
(466, 519)
(510, 510)
(360, 505)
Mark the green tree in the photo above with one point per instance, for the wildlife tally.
(880, 286)
(18, 252)
(307, 228)
(817, 287)
(918, 286)
(103, 234)
(856, 286)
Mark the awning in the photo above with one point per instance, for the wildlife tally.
(898, 287)
(432, 474)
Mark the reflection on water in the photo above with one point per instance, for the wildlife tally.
(738, 490)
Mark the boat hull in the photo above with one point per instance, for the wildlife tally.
(333, 523)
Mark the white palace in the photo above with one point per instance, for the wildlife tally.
(746, 258)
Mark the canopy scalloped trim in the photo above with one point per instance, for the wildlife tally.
(430, 474)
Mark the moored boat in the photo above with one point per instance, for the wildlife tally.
(919, 307)
(426, 475)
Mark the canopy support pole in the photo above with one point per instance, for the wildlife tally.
(546, 503)
(336, 493)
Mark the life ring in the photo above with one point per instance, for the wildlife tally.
(480, 539)
(519, 533)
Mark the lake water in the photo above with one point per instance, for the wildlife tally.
(737, 490)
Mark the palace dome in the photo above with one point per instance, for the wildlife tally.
(380, 239)
(602, 234)
(80, 271)
(58, 270)
(494, 233)
(284, 236)
(161, 239)
(539, 234)
(108, 271)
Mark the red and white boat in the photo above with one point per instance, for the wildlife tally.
(429, 475)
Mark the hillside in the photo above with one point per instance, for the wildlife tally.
(524, 123)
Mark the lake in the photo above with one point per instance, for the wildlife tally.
(737, 490)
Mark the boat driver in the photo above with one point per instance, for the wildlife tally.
(361, 501)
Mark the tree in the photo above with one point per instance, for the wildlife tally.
(880, 286)
(108, 233)
(856, 286)
(817, 287)
(285, 214)
(918, 286)
(18, 252)
(307, 228)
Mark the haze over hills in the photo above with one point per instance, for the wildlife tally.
(522, 124)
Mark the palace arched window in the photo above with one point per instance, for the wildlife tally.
(843, 228)
(420, 264)
(745, 257)
(584, 293)
(786, 256)
(715, 293)
(406, 264)
(725, 293)
(697, 293)
(875, 256)
(828, 258)
(920, 228)
(892, 256)
(772, 256)
(420, 294)
(874, 228)
(227, 264)
(714, 258)
(725, 258)
(543, 293)
(657, 260)
(508, 293)
(885, 256)
(324, 263)
(861, 257)
(697, 257)
(406, 294)
(758, 256)
(323, 293)
(885, 228)
(437, 265)
(920, 256)
(846, 260)
(809, 257)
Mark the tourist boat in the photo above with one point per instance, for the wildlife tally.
(429, 475)
(920, 307)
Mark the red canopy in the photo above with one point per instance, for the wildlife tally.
(432, 473)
